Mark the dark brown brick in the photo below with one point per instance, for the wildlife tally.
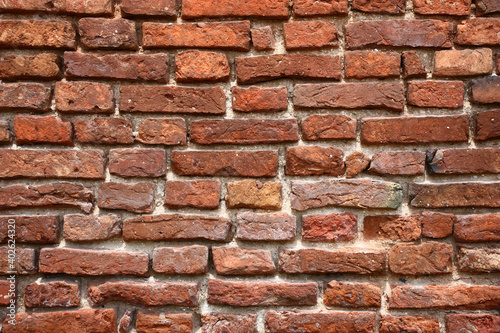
(44, 66)
(310, 35)
(329, 227)
(25, 96)
(138, 162)
(181, 260)
(37, 129)
(39, 229)
(314, 160)
(90, 228)
(265, 226)
(436, 94)
(235, 8)
(257, 99)
(51, 294)
(408, 163)
(203, 194)
(164, 131)
(487, 125)
(234, 260)
(37, 34)
(328, 127)
(370, 64)
(484, 7)
(104, 131)
(352, 294)
(5, 133)
(84, 97)
(132, 197)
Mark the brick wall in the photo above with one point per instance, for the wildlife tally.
(239, 166)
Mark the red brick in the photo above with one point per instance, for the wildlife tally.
(445, 7)
(408, 163)
(149, 7)
(181, 260)
(195, 66)
(52, 163)
(5, 134)
(89, 228)
(104, 131)
(257, 99)
(37, 129)
(203, 194)
(328, 127)
(484, 7)
(326, 261)
(329, 227)
(51, 294)
(62, 194)
(24, 96)
(452, 297)
(486, 90)
(263, 38)
(353, 95)
(487, 125)
(463, 62)
(138, 162)
(156, 322)
(172, 99)
(436, 94)
(261, 293)
(226, 163)
(126, 321)
(24, 261)
(356, 163)
(283, 66)
(345, 193)
(380, 6)
(254, 194)
(478, 31)
(314, 160)
(143, 293)
(164, 131)
(7, 292)
(265, 226)
(226, 322)
(437, 225)
(44, 66)
(310, 35)
(27, 34)
(135, 67)
(397, 324)
(234, 260)
(412, 65)
(235, 8)
(176, 226)
(366, 64)
(467, 194)
(407, 33)
(96, 7)
(99, 33)
(477, 228)
(393, 227)
(132, 197)
(93, 262)
(84, 97)
(326, 321)
(484, 323)
(463, 161)
(83, 320)
(210, 35)
(352, 294)
(38, 229)
(421, 259)
(411, 129)
(319, 8)
(478, 260)
(244, 131)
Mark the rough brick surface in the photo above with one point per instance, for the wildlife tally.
(132, 197)
(328, 127)
(380, 6)
(87, 228)
(238, 8)
(41, 229)
(352, 294)
(23, 261)
(103, 131)
(51, 294)
(393, 324)
(99, 33)
(24, 96)
(484, 7)
(38, 129)
(398, 163)
(162, 131)
(478, 31)
(149, 7)
(263, 38)
(314, 160)
(203, 194)
(365, 64)
(486, 90)
(232, 260)
(463, 63)
(436, 94)
(310, 35)
(254, 194)
(137, 162)
(481, 323)
(37, 34)
(255, 99)
(487, 125)
(479, 260)
(193, 66)
(329, 227)
(317, 8)
(412, 65)
(446, 7)
(41, 66)
(220, 322)
(421, 259)
(393, 227)
(181, 260)
(477, 228)
(265, 227)
(161, 321)
(84, 97)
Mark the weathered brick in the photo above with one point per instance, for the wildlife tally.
(254, 194)
(7, 291)
(486, 90)
(99, 33)
(478, 31)
(463, 62)
(89, 228)
(261, 293)
(137, 162)
(393, 227)
(37, 129)
(436, 94)
(84, 97)
(326, 261)
(93, 262)
(352, 294)
(328, 127)
(132, 197)
(370, 64)
(235, 8)
(353, 95)
(51, 294)
(412, 65)
(176, 226)
(164, 131)
(477, 228)
(421, 259)
(478, 260)
(126, 321)
(319, 8)
(412, 129)
(437, 225)
(314, 160)
(283, 66)
(151, 322)
(210, 35)
(232, 163)
(24, 261)
(25, 96)
(39, 229)
(463, 161)
(409, 163)
(411, 33)
(257, 99)
(52, 163)
(329, 227)
(172, 99)
(37, 34)
(453, 297)
(149, 7)
(62, 194)
(263, 38)
(194, 66)
(83, 320)
(96, 7)
(44, 66)
(265, 226)
(467, 194)
(227, 322)
(144, 293)
(134, 67)
(345, 193)
(203, 194)
(234, 260)
(487, 125)
(445, 7)
(380, 6)
(181, 260)
(484, 7)
(325, 321)
(396, 324)
(356, 163)
(310, 35)
(5, 133)
(485, 323)
(104, 131)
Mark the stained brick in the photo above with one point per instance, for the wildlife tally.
(181, 260)
(265, 226)
(412, 65)
(421, 259)
(164, 131)
(378, 6)
(254, 194)
(233, 260)
(486, 90)
(218, 322)
(98, 33)
(478, 260)
(445, 7)
(104, 131)
(328, 127)
(396, 324)
(463, 62)
(132, 197)
(24, 96)
(463, 161)
(393, 227)
(90, 228)
(51, 294)
(195, 66)
(149, 7)
(484, 7)
(481, 322)
(96, 7)
(319, 8)
(148, 322)
(477, 228)
(487, 125)
(137, 162)
(24, 261)
(409, 163)
(84, 97)
(44, 66)
(39, 229)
